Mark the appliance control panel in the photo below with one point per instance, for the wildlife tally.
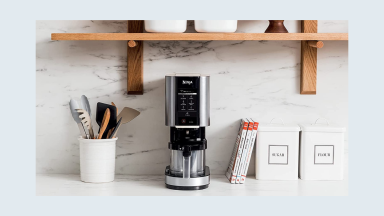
(187, 100)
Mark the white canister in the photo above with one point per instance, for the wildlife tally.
(321, 151)
(277, 151)
(166, 26)
(97, 160)
(216, 26)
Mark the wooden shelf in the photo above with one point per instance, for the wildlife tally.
(199, 36)
(310, 42)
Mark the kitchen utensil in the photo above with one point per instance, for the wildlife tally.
(127, 115)
(117, 111)
(115, 129)
(86, 106)
(86, 121)
(104, 122)
(73, 105)
(110, 132)
(101, 108)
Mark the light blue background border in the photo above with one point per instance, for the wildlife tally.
(366, 106)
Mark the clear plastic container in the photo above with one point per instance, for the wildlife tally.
(196, 163)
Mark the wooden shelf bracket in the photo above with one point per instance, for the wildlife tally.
(135, 59)
(316, 44)
(309, 59)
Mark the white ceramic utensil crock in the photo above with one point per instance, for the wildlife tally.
(97, 160)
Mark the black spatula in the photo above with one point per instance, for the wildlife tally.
(100, 110)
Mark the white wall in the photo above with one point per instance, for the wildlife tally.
(257, 79)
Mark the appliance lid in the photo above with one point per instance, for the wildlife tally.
(278, 126)
(187, 75)
(323, 126)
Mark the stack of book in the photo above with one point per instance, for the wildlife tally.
(242, 152)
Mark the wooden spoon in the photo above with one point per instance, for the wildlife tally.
(104, 123)
(117, 111)
(111, 130)
(109, 133)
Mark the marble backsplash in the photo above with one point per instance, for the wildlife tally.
(259, 79)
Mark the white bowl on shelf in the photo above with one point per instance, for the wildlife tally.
(165, 26)
(216, 26)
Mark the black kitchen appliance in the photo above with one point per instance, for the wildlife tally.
(187, 115)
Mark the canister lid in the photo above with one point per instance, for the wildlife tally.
(324, 126)
(278, 126)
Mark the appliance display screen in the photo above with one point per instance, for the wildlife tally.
(187, 100)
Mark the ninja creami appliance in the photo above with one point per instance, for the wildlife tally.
(187, 115)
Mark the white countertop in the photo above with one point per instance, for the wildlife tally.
(153, 185)
(129, 185)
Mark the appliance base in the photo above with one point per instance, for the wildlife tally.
(179, 183)
(173, 187)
